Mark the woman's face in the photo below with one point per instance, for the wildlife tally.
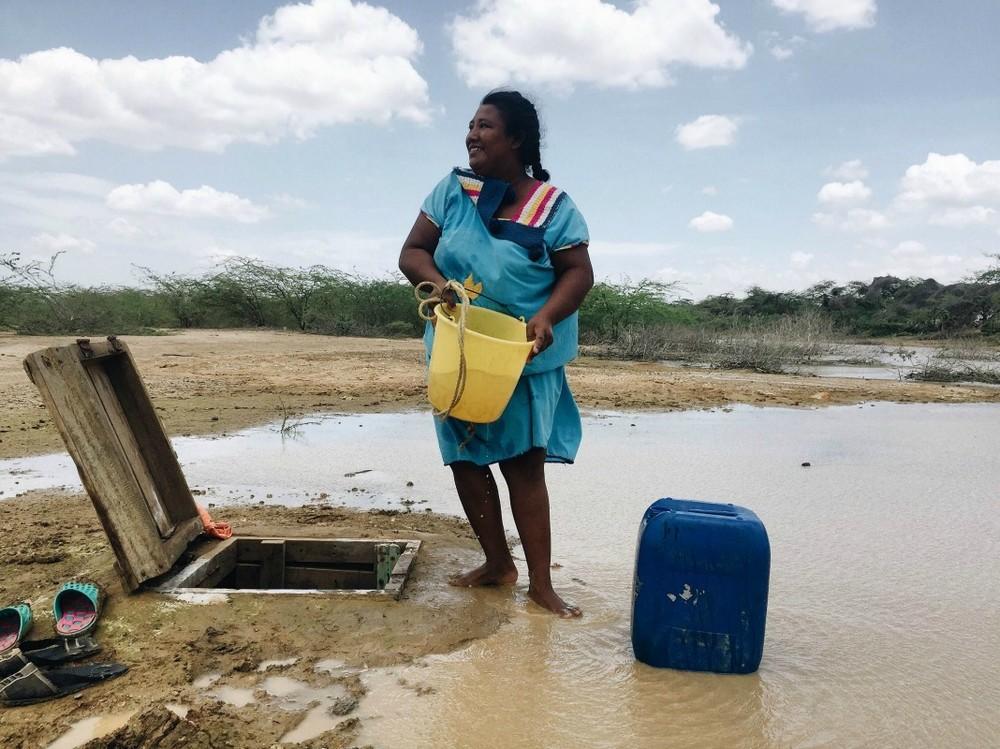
(491, 151)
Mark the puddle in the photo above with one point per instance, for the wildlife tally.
(180, 711)
(852, 372)
(322, 707)
(297, 695)
(874, 362)
(205, 680)
(327, 706)
(317, 721)
(334, 667)
(90, 728)
(883, 628)
(234, 696)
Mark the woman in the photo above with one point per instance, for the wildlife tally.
(519, 246)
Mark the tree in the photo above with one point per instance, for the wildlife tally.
(36, 279)
(610, 308)
(992, 274)
(184, 296)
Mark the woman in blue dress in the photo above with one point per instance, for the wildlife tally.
(519, 246)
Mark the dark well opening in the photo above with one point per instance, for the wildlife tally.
(299, 564)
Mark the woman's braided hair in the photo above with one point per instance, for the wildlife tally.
(521, 121)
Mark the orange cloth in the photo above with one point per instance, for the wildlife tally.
(212, 528)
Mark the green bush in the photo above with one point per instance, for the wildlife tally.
(641, 319)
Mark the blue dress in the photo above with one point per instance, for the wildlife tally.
(506, 265)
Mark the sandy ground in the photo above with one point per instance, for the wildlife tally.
(215, 381)
(209, 381)
(168, 643)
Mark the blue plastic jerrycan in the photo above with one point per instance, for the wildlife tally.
(699, 596)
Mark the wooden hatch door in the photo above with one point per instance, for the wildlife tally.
(101, 407)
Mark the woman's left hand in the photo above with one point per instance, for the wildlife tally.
(539, 331)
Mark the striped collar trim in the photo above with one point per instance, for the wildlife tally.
(535, 211)
(539, 206)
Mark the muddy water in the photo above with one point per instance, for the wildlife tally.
(884, 617)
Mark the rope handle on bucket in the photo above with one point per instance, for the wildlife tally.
(428, 295)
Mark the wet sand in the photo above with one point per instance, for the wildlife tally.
(50, 538)
(206, 382)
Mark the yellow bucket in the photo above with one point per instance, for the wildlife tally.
(495, 354)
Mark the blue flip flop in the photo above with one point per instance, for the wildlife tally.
(15, 622)
(76, 608)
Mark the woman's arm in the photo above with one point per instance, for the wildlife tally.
(574, 278)
(416, 259)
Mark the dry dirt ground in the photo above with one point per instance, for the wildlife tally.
(214, 381)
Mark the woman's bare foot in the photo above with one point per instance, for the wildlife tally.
(486, 575)
(548, 599)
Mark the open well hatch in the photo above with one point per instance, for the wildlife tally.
(104, 414)
(337, 566)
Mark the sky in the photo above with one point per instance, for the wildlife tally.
(716, 146)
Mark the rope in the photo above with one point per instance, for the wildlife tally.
(435, 296)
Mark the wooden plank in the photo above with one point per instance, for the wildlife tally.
(126, 438)
(272, 563)
(215, 564)
(83, 423)
(151, 436)
(302, 579)
(401, 570)
(247, 575)
(368, 594)
(106, 467)
(321, 578)
(320, 551)
(385, 559)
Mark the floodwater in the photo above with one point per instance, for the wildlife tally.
(883, 625)
(867, 361)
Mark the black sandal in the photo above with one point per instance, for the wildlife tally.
(30, 684)
(60, 649)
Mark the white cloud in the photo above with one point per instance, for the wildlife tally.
(290, 202)
(782, 48)
(911, 258)
(951, 179)
(19, 137)
(829, 15)
(847, 171)
(710, 190)
(853, 220)
(844, 193)
(711, 222)
(52, 243)
(564, 43)
(800, 260)
(959, 218)
(708, 131)
(64, 182)
(204, 202)
(310, 66)
(122, 227)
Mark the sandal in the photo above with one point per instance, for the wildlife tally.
(59, 649)
(30, 684)
(76, 607)
(11, 662)
(15, 621)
